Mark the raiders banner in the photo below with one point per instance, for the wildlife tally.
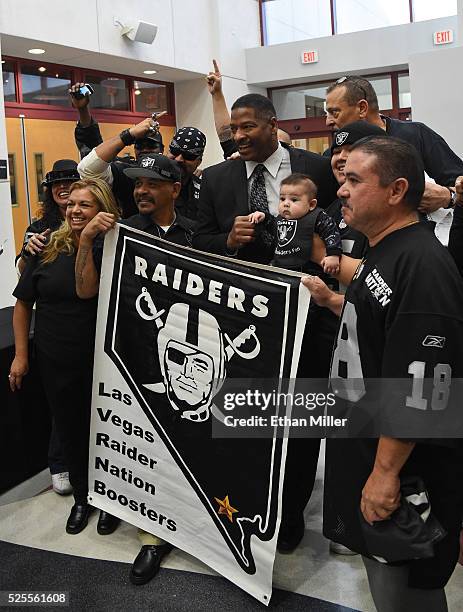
(173, 325)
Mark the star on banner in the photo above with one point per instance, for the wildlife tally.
(226, 508)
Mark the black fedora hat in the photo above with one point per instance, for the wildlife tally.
(63, 170)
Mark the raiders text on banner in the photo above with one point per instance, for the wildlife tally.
(173, 325)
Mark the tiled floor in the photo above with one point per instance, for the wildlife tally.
(310, 570)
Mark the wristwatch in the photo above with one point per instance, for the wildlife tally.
(127, 138)
(453, 199)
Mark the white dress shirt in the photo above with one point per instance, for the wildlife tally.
(277, 168)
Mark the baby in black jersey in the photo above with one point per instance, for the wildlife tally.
(299, 217)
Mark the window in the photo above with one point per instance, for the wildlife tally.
(9, 85)
(356, 15)
(49, 86)
(12, 174)
(424, 9)
(405, 99)
(316, 144)
(150, 97)
(290, 20)
(307, 101)
(287, 21)
(110, 92)
(38, 158)
(383, 88)
(298, 102)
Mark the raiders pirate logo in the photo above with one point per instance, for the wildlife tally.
(193, 356)
(286, 230)
(341, 138)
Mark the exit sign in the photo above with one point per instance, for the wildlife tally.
(443, 38)
(309, 57)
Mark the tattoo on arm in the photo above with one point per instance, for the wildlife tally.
(225, 133)
(81, 262)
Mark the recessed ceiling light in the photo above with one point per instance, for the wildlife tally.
(41, 69)
(149, 71)
(36, 51)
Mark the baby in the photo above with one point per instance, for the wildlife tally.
(299, 217)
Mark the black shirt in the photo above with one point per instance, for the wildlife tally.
(180, 232)
(187, 202)
(64, 323)
(401, 318)
(37, 227)
(228, 147)
(87, 137)
(440, 162)
(456, 237)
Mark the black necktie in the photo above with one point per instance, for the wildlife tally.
(258, 202)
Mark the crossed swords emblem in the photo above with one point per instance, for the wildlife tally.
(233, 344)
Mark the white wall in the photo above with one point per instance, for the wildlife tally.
(190, 33)
(7, 270)
(361, 52)
(289, 105)
(236, 27)
(194, 107)
(437, 92)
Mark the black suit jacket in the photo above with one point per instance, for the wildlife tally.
(224, 196)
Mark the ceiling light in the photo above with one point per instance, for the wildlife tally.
(137, 92)
(56, 75)
(149, 71)
(41, 69)
(3, 61)
(36, 51)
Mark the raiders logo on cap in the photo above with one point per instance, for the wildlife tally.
(341, 138)
(147, 162)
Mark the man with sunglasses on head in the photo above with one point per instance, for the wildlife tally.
(187, 148)
(102, 160)
(352, 98)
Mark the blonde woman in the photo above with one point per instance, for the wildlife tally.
(64, 333)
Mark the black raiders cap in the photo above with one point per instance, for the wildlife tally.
(352, 132)
(157, 166)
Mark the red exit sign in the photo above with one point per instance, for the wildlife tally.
(443, 38)
(309, 57)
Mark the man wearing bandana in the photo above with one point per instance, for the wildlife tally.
(187, 148)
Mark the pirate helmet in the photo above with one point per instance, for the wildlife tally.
(192, 360)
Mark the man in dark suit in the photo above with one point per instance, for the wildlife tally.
(229, 192)
(224, 203)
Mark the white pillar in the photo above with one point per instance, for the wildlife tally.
(8, 277)
(460, 22)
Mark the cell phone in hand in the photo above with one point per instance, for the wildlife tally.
(85, 90)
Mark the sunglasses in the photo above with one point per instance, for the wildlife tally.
(355, 81)
(187, 155)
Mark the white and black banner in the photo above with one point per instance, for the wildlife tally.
(174, 325)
